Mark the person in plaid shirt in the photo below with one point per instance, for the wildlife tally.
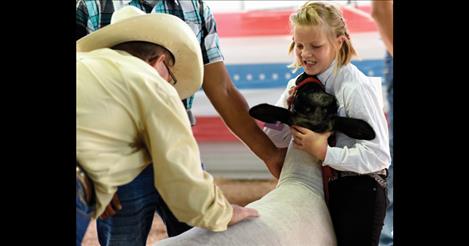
(217, 85)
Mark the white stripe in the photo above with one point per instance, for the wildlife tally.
(203, 107)
(274, 49)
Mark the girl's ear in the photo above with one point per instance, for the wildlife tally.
(340, 41)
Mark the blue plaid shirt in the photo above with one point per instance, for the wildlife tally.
(94, 14)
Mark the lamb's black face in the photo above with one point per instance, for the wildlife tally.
(313, 108)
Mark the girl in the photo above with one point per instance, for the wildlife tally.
(357, 193)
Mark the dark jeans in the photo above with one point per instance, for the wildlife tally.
(357, 205)
(131, 224)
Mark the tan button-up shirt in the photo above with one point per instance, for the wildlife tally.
(129, 117)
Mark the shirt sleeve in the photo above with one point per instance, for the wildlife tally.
(189, 192)
(87, 16)
(211, 40)
(363, 102)
(81, 20)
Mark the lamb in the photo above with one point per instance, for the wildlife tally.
(295, 212)
(313, 108)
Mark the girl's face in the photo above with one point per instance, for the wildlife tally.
(312, 49)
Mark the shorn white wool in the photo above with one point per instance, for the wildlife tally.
(294, 213)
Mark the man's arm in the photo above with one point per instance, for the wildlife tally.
(382, 13)
(233, 108)
(189, 191)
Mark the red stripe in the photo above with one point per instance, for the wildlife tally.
(213, 129)
(357, 23)
(276, 22)
(253, 23)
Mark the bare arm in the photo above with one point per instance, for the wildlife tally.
(233, 108)
(382, 13)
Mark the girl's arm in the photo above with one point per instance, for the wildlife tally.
(362, 101)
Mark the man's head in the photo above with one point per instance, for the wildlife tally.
(155, 55)
(162, 40)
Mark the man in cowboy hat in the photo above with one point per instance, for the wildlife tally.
(130, 117)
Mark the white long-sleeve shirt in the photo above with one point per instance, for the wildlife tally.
(358, 97)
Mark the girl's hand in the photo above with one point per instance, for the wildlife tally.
(310, 141)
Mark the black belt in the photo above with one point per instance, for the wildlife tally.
(380, 176)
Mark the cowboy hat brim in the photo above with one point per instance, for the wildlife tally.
(162, 29)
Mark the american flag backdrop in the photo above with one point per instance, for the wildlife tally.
(255, 46)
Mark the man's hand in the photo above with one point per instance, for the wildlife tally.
(242, 213)
(111, 208)
(310, 141)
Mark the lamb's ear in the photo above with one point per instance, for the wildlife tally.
(354, 128)
(270, 114)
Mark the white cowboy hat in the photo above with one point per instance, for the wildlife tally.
(132, 24)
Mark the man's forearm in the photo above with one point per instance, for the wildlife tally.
(239, 121)
(237, 118)
(382, 13)
(233, 108)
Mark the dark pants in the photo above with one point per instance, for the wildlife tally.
(131, 224)
(357, 206)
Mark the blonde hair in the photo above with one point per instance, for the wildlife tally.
(329, 17)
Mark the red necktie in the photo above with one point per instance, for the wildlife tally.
(326, 175)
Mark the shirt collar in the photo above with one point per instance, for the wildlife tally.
(325, 76)
(150, 3)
